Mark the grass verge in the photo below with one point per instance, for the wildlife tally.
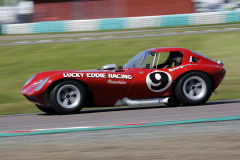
(18, 63)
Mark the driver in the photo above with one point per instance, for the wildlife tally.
(175, 61)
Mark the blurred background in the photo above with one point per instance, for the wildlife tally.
(26, 11)
(41, 35)
(92, 33)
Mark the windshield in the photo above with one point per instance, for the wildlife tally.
(144, 59)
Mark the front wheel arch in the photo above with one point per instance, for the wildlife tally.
(67, 97)
(90, 99)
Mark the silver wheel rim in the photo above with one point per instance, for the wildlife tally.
(68, 96)
(194, 88)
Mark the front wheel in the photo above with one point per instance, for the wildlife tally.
(195, 88)
(68, 97)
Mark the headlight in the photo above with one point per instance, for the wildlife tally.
(41, 83)
(29, 80)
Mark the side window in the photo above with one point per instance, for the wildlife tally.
(193, 59)
(163, 57)
(170, 59)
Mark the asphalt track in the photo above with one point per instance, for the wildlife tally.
(111, 116)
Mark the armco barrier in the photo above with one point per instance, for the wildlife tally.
(49, 27)
(81, 25)
(142, 22)
(24, 28)
(175, 20)
(112, 23)
(123, 23)
(208, 18)
(233, 17)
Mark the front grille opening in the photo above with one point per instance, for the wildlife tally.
(31, 98)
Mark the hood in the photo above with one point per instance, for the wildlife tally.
(46, 74)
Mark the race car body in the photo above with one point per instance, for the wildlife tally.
(159, 75)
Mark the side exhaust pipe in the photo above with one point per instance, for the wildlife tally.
(147, 102)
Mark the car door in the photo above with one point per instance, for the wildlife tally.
(156, 80)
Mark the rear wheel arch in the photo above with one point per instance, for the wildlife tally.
(201, 95)
(180, 77)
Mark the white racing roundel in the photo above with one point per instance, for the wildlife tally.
(158, 81)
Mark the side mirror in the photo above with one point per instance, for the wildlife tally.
(109, 67)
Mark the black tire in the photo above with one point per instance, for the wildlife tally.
(47, 110)
(68, 97)
(194, 88)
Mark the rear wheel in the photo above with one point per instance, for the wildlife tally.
(47, 110)
(195, 88)
(68, 97)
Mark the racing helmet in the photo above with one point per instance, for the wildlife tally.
(175, 59)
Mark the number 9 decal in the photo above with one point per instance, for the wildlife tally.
(158, 81)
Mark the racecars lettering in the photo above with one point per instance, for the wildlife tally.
(119, 76)
(96, 75)
(74, 75)
(158, 81)
(116, 82)
(173, 69)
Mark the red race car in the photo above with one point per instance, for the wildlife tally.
(168, 75)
